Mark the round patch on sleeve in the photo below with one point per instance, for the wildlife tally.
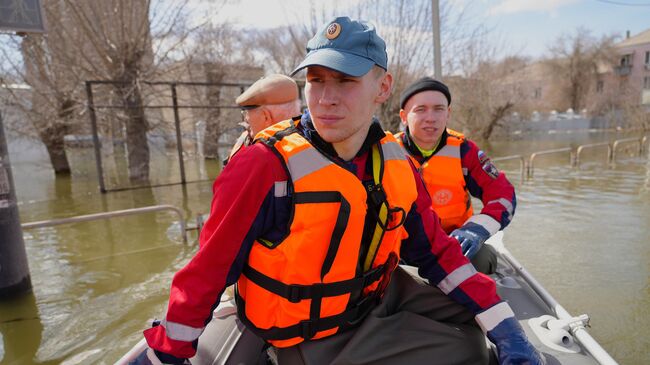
(482, 157)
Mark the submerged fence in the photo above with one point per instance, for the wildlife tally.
(179, 116)
(112, 214)
(181, 119)
(175, 114)
(527, 166)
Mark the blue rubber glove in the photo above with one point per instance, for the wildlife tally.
(150, 357)
(512, 344)
(471, 237)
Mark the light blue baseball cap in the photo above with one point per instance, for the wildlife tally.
(348, 46)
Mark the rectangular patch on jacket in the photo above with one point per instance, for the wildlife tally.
(487, 165)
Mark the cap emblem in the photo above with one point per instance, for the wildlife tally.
(333, 31)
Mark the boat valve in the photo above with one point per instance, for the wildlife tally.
(556, 333)
(570, 324)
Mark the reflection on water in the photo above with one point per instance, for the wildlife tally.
(582, 232)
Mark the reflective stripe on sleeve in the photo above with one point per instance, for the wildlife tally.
(449, 151)
(181, 332)
(506, 204)
(490, 224)
(392, 151)
(456, 277)
(493, 316)
(280, 189)
(305, 162)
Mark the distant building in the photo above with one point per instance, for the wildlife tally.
(532, 83)
(622, 84)
(633, 67)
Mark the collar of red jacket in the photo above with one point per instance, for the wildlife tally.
(412, 149)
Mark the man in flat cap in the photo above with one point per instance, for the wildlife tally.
(311, 221)
(269, 100)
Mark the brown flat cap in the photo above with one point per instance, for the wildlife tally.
(269, 90)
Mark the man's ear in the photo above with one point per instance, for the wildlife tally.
(268, 116)
(385, 88)
(402, 116)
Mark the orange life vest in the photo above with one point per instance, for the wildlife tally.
(443, 175)
(315, 283)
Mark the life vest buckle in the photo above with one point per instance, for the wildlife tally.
(307, 329)
(295, 293)
(377, 195)
(363, 308)
(373, 275)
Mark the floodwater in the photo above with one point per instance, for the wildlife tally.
(583, 232)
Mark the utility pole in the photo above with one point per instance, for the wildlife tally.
(435, 21)
(14, 271)
(23, 17)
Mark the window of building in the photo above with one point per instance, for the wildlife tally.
(647, 57)
(537, 93)
(600, 86)
(646, 82)
(625, 60)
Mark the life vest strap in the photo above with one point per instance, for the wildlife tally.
(295, 293)
(280, 134)
(316, 197)
(308, 328)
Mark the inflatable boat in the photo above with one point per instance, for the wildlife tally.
(561, 337)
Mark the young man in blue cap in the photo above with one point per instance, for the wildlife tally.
(310, 222)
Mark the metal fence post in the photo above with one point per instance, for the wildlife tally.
(179, 139)
(642, 146)
(14, 270)
(624, 140)
(96, 142)
(522, 163)
(591, 145)
(531, 160)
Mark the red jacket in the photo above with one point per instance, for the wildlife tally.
(245, 207)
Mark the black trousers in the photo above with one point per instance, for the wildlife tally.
(414, 324)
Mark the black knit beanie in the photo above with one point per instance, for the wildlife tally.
(424, 84)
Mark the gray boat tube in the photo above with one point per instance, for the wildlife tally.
(576, 325)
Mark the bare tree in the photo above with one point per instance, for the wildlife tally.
(574, 63)
(283, 48)
(221, 55)
(55, 100)
(119, 40)
(482, 96)
(404, 25)
(407, 29)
